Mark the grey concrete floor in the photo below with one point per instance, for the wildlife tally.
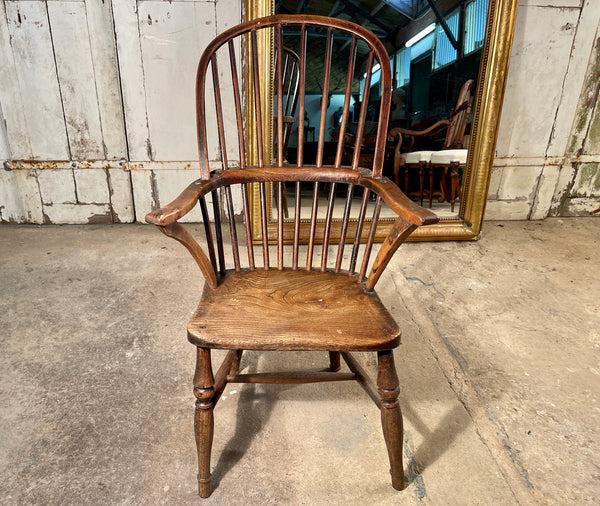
(499, 370)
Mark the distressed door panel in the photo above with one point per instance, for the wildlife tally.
(132, 79)
(36, 72)
(76, 79)
(106, 73)
(15, 133)
(524, 130)
(172, 38)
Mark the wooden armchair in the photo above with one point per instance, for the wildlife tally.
(310, 297)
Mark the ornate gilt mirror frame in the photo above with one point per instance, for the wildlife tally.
(489, 97)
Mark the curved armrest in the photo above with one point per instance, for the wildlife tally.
(390, 193)
(404, 131)
(180, 206)
(398, 202)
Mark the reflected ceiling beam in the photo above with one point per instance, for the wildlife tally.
(410, 30)
(356, 9)
(334, 9)
(377, 9)
(301, 7)
(404, 7)
(440, 19)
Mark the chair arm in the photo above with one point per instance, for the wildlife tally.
(417, 133)
(398, 202)
(181, 205)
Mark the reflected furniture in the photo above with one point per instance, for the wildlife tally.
(301, 297)
(487, 108)
(450, 158)
(289, 97)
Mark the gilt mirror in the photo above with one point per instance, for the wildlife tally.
(435, 47)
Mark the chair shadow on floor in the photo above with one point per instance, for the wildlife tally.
(256, 403)
(254, 407)
(435, 442)
(253, 412)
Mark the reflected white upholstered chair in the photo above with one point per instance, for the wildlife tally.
(450, 158)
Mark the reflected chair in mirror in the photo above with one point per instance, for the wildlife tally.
(450, 158)
(303, 297)
(291, 80)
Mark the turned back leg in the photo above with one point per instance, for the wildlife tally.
(204, 390)
(391, 416)
(334, 361)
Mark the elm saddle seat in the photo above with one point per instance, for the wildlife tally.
(316, 297)
(292, 310)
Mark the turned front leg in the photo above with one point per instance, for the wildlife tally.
(391, 416)
(204, 390)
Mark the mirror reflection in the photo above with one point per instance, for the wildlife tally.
(435, 52)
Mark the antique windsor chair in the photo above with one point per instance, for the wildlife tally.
(298, 301)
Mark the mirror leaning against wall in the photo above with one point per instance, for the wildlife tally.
(449, 60)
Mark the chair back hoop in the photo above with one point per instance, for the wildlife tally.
(459, 117)
(227, 147)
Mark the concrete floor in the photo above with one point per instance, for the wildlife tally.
(499, 370)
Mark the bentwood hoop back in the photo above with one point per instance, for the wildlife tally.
(313, 298)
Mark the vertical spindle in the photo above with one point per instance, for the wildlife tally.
(344, 230)
(279, 75)
(327, 229)
(232, 230)
(218, 231)
(313, 227)
(363, 112)
(247, 225)
(369, 245)
(324, 97)
(219, 112)
(347, 96)
(297, 226)
(301, 92)
(257, 100)
(359, 226)
(280, 225)
(238, 106)
(263, 221)
(208, 233)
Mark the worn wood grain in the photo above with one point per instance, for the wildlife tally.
(277, 310)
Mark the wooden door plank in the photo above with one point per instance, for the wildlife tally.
(73, 58)
(34, 62)
(172, 37)
(106, 72)
(13, 115)
(132, 79)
